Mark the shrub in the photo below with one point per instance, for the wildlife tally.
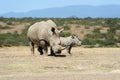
(96, 30)
(14, 39)
(66, 27)
(5, 27)
(65, 34)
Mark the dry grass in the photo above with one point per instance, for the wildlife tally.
(16, 63)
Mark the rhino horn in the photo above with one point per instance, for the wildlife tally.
(61, 30)
(62, 48)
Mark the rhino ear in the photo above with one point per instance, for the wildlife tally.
(53, 30)
(73, 36)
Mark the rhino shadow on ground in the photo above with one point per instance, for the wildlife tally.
(58, 55)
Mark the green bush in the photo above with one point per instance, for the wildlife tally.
(96, 30)
(65, 34)
(14, 39)
(66, 27)
(5, 27)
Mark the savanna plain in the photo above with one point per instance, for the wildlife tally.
(17, 63)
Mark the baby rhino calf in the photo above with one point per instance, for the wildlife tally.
(68, 42)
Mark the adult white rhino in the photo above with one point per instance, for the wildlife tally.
(44, 34)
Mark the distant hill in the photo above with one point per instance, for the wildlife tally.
(81, 11)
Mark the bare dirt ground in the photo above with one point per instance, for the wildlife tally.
(16, 63)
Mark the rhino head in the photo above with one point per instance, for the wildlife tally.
(76, 40)
(55, 42)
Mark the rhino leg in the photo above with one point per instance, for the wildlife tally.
(40, 50)
(32, 47)
(43, 47)
(52, 53)
(69, 49)
(45, 50)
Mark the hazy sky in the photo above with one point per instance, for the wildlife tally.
(27, 5)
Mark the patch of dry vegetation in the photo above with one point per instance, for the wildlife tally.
(98, 32)
(18, 63)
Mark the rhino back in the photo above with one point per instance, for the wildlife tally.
(65, 41)
(40, 30)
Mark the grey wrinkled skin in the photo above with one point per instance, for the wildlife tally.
(69, 42)
(44, 34)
